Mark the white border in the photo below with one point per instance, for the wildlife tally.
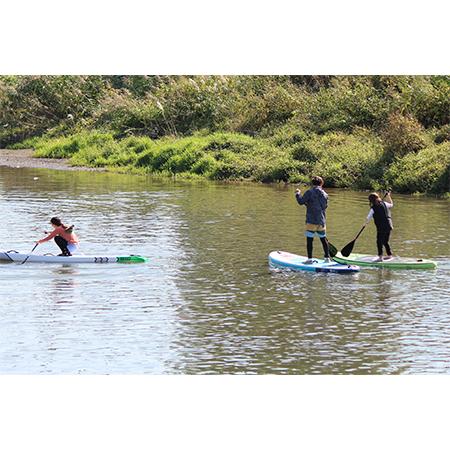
(224, 412)
(229, 37)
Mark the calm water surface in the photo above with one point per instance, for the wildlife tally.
(207, 302)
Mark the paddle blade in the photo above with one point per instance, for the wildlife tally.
(348, 249)
(333, 249)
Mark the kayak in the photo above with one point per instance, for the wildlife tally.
(297, 262)
(13, 256)
(396, 262)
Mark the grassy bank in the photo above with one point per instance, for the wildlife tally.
(356, 160)
(364, 132)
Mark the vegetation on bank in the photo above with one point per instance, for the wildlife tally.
(361, 132)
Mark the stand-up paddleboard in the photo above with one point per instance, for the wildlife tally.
(13, 256)
(297, 262)
(396, 262)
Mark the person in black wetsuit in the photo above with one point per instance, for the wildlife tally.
(380, 211)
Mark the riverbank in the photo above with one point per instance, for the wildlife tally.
(234, 157)
(356, 161)
(24, 158)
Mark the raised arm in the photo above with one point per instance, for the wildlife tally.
(302, 200)
(389, 200)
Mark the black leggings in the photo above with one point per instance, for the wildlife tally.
(62, 244)
(383, 239)
(309, 246)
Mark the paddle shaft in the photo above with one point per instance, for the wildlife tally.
(26, 259)
(360, 231)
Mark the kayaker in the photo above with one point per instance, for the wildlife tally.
(380, 211)
(316, 201)
(64, 236)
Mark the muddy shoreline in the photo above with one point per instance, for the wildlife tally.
(24, 158)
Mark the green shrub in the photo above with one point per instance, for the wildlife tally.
(192, 103)
(442, 135)
(427, 98)
(56, 148)
(205, 165)
(236, 142)
(98, 151)
(137, 144)
(288, 135)
(145, 158)
(306, 151)
(230, 167)
(125, 114)
(402, 135)
(183, 161)
(280, 170)
(83, 149)
(262, 101)
(350, 102)
(35, 104)
(425, 171)
(137, 85)
(347, 160)
(162, 157)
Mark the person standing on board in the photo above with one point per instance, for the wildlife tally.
(64, 237)
(380, 211)
(316, 201)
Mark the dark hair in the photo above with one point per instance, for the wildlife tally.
(317, 181)
(374, 198)
(56, 221)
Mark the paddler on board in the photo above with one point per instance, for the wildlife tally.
(381, 214)
(64, 237)
(316, 202)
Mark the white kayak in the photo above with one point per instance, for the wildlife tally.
(13, 256)
(297, 262)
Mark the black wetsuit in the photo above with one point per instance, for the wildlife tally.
(383, 222)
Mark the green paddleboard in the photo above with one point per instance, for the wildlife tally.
(397, 262)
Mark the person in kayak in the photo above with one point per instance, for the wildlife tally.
(64, 237)
(316, 201)
(380, 211)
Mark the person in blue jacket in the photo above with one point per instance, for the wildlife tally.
(316, 201)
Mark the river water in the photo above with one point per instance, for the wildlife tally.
(207, 301)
